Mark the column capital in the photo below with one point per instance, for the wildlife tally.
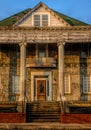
(60, 43)
(23, 44)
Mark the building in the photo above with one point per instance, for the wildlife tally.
(45, 56)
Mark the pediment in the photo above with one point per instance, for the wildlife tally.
(54, 20)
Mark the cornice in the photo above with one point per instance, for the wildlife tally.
(72, 28)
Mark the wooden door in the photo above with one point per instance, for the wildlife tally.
(41, 89)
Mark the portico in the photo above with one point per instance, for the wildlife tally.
(26, 62)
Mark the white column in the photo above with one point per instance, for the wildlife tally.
(22, 71)
(60, 70)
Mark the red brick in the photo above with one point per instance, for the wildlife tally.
(75, 118)
(12, 118)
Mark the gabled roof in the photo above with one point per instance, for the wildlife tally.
(17, 18)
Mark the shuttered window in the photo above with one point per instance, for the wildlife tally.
(67, 88)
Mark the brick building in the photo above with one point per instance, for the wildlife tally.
(45, 57)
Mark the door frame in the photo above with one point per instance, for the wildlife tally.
(45, 74)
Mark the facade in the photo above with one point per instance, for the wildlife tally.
(44, 56)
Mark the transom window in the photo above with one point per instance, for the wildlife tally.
(41, 20)
(86, 84)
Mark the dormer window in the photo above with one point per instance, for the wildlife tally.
(40, 20)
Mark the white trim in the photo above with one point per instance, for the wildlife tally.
(41, 73)
(67, 84)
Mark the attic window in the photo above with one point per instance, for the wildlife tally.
(44, 20)
(41, 20)
(36, 20)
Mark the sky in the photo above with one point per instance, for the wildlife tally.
(78, 9)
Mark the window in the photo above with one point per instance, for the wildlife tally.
(36, 20)
(67, 84)
(86, 84)
(45, 20)
(15, 84)
(83, 54)
(40, 20)
(84, 50)
(41, 50)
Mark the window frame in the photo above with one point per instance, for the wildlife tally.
(41, 14)
(45, 50)
(86, 84)
(44, 20)
(67, 77)
(36, 20)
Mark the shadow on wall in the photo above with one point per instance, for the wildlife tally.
(84, 78)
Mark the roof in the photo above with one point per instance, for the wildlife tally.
(12, 20)
(71, 21)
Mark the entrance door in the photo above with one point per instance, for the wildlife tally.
(41, 86)
(41, 89)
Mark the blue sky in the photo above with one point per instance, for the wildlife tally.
(79, 9)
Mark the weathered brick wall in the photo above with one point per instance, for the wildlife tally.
(75, 118)
(9, 66)
(76, 67)
(72, 68)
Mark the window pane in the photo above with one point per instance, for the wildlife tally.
(86, 84)
(45, 17)
(44, 20)
(36, 20)
(15, 83)
(36, 17)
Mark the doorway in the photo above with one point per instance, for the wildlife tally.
(41, 86)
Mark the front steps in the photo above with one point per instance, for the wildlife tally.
(43, 112)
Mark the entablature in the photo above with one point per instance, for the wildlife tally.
(45, 35)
